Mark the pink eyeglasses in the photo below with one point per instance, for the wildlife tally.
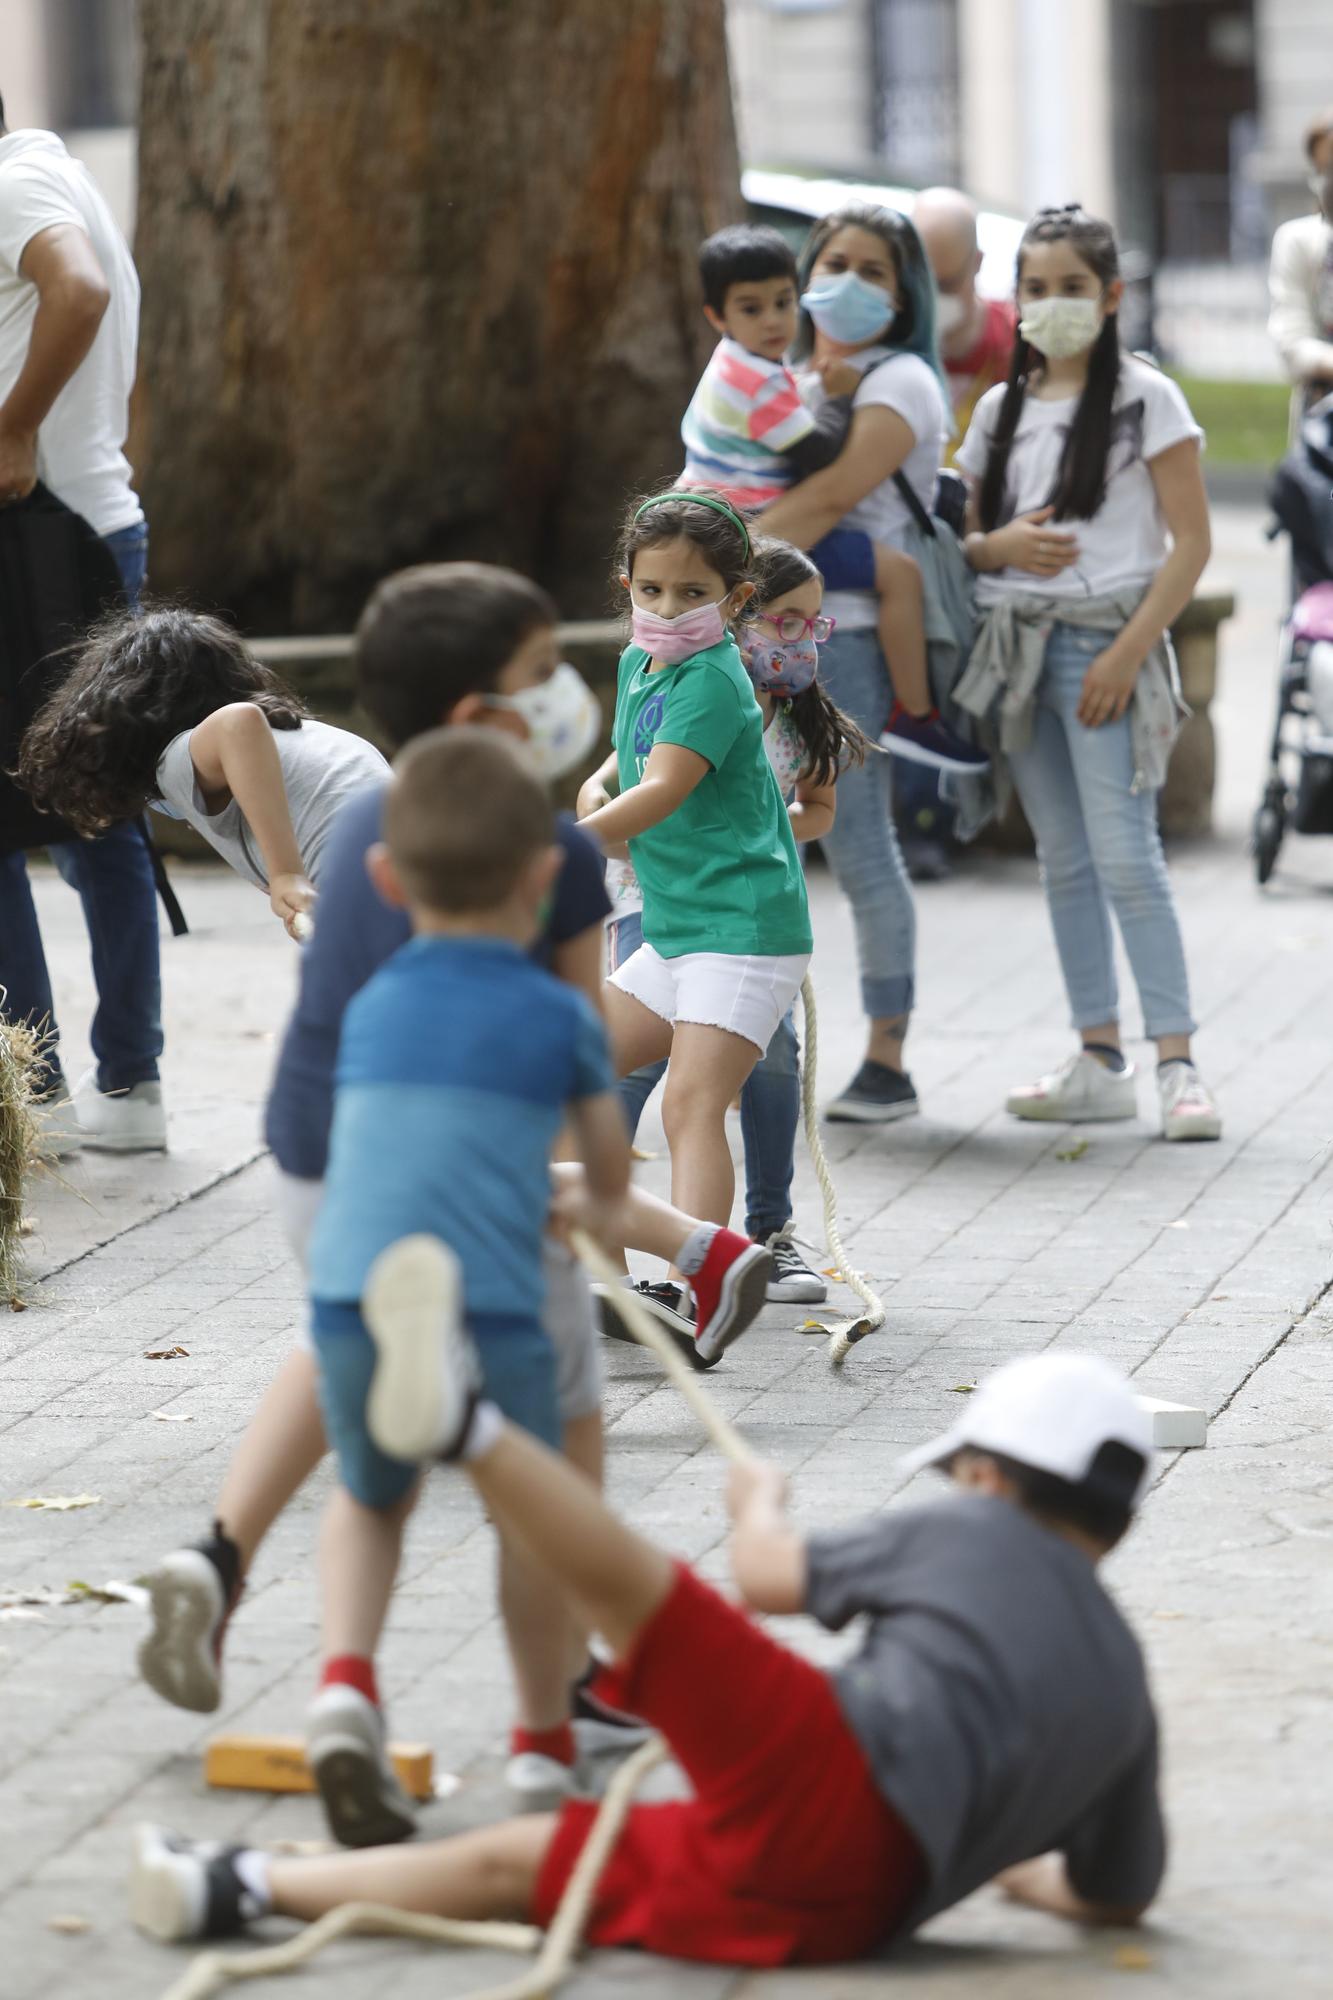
(792, 625)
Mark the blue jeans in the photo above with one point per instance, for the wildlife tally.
(770, 1107)
(1100, 851)
(862, 847)
(113, 875)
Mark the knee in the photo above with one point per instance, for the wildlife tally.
(1133, 874)
(688, 1106)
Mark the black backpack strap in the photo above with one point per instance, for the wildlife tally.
(912, 503)
(162, 881)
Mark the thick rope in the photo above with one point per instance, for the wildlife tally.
(843, 1334)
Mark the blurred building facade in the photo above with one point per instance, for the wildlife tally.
(1180, 119)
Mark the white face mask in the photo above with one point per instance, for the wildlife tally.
(564, 719)
(1059, 328)
(950, 312)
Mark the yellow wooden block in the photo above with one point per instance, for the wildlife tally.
(278, 1764)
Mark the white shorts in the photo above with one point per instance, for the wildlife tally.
(568, 1313)
(715, 989)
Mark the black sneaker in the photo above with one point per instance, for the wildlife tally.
(668, 1303)
(187, 1889)
(875, 1096)
(597, 1726)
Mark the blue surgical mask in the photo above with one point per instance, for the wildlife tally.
(849, 310)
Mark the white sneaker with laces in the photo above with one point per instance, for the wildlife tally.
(539, 1783)
(345, 1745)
(791, 1280)
(425, 1382)
(1083, 1091)
(1189, 1109)
(120, 1121)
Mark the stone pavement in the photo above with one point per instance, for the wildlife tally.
(1204, 1270)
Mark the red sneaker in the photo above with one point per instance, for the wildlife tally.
(730, 1287)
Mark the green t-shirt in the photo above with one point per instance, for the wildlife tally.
(721, 873)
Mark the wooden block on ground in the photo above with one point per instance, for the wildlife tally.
(278, 1764)
(1175, 1427)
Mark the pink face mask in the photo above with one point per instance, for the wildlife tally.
(674, 639)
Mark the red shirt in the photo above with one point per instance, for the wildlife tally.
(985, 363)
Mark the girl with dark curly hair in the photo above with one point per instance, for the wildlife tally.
(170, 710)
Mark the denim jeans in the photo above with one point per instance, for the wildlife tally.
(862, 847)
(1100, 850)
(113, 875)
(770, 1107)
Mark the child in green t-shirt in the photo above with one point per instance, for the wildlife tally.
(726, 927)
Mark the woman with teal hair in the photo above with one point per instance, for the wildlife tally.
(868, 298)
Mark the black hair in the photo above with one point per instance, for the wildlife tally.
(721, 538)
(1101, 1505)
(1080, 482)
(831, 738)
(743, 253)
(92, 751)
(432, 634)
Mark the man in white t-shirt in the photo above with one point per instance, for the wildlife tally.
(1300, 281)
(69, 324)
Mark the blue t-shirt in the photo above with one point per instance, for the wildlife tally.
(456, 1063)
(355, 932)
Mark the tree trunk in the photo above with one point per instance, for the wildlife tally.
(419, 283)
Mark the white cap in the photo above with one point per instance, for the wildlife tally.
(1053, 1412)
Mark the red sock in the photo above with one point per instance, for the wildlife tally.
(557, 1743)
(351, 1670)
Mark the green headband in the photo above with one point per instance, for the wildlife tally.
(695, 497)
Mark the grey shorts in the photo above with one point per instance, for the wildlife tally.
(567, 1313)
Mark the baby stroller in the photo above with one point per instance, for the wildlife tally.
(1299, 790)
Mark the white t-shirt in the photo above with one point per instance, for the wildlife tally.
(908, 385)
(79, 453)
(322, 768)
(1126, 542)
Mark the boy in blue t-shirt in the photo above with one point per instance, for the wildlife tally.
(459, 1062)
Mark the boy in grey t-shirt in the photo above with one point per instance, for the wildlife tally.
(996, 1721)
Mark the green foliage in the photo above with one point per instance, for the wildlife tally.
(1246, 422)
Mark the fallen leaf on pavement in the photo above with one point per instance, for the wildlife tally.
(962, 1388)
(58, 1503)
(21, 1611)
(1074, 1152)
(105, 1593)
(26, 1225)
(165, 1353)
(1131, 1958)
(68, 1926)
(40, 1594)
(17, 1305)
(831, 1272)
(172, 1416)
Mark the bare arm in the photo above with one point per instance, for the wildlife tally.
(72, 296)
(811, 811)
(877, 445)
(1177, 477)
(578, 961)
(1043, 1884)
(669, 776)
(235, 757)
(767, 1554)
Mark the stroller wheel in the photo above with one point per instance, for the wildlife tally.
(1269, 827)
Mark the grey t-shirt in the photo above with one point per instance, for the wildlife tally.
(999, 1696)
(322, 768)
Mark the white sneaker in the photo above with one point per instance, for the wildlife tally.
(538, 1783)
(791, 1280)
(426, 1377)
(1189, 1109)
(59, 1134)
(345, 1744)
(1081, 1092)
(121, 1121)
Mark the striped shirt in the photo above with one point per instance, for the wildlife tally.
(745, 413)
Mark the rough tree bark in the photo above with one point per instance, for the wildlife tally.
(419, 282)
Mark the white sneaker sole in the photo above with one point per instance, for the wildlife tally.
(934, 760)
(537, 1783)
(411, 1307)
(161, 1905)
(797, 1292)
(176, 1658)
(1048, 1111)
(1200, 1126)
(362, 1806)
(743, 1295)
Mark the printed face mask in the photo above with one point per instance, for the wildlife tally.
(1058, 328)
(672, 640)
(564, 719)
(949, 314)
(849, 310)
(780, 667)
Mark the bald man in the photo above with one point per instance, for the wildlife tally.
(976, 335)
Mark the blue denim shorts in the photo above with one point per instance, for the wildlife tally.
(518, 1373)
(845, 558)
